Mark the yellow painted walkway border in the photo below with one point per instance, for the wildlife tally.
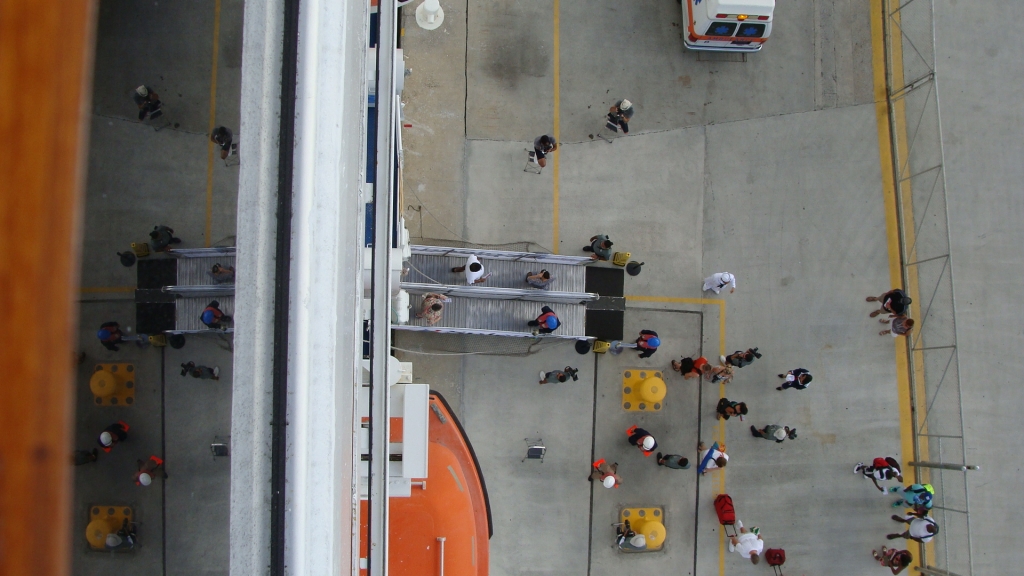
(556, 65)
(718, 430)
(892, 225)
(208, 230)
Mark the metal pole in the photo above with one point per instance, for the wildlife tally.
(944, 466)
(441, 540)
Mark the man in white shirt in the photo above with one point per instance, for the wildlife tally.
(720, 280)
(718, 458)
(746, 544)
(922, 528)
(474, 270)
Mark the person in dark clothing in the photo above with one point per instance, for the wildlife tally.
(741, 359)
(110, 335)
(690, 367)
(773, 432)
(674, 461)
(111, 435)
(547, 322)
(619, 116)
(642, 439)
(798, 379)
(542, 146)
(161, 237)
(893, 302)
(601, 247)
(222, 136)
(203, 372)
(148, 102)
(648, 343)
(727, 409)
(213, 317)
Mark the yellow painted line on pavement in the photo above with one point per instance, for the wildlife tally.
(106, 289)
(208, 230)
(557, 134)
(892, 226)
(718, 430)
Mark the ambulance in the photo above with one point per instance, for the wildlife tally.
(727, 25)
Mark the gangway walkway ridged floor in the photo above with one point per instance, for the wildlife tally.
(505, 302)
(195, 287)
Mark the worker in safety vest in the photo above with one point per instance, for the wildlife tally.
(213, 317)
(546, 323)
(648, 343)
(111, 435)
(148, 469)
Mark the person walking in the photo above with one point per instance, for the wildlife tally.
(727, 409)
(213, 317)
(546, 323)
(542, 146)
(718, 457)
(922, 528)
(619, 116)
(557, 376)
(797, 379)
(162, 237)
(202, 372)
(898, 326)
(716, 374)
(110, 335)
(894, 559)
(433, 306)
(148, 102)
(112, 435)
(674, 461)
(740, 359)
(887, 468)
(222, 136)
(894, 301)
(648, 343)
(474, 270)
(747, 543)
(542, 279)
(917, 495)
(605, 473)
(147, 469)
(720, 280)
(642, 439)
(689, 367)
(774, 432)
(601, 247)
(222, 274)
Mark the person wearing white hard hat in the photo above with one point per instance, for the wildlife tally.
(148, 469)
(627, 539)
(606, 473)
(148, 102)
(111, 435)
(123, 539)
(619, 115)
(642, 439)
(720, 280)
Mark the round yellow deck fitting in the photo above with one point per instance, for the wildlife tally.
(654, 531)
(103, 383)
(97, 530)
(653, 389)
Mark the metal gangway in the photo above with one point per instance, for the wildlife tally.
(195, 287)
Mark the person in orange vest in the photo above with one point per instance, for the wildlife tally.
(213, 317)
(648, 343)
(546, 323)
(642, 439)
(606, 473)
(148, 469)
(111, 435)
(110, 335)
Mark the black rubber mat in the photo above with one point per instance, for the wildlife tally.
(156, 273)
(605, 281)
(605, 324)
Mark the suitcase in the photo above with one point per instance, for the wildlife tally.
(726, 513)
(620, 258)
(776, 557)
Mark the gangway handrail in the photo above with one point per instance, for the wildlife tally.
(202, 252)
(494, 293)
(501, 255)
(200, 290)
(486, 332)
